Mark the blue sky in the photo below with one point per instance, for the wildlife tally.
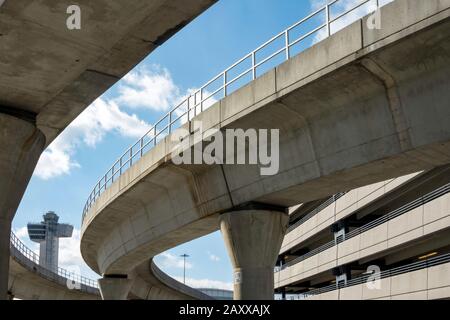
(81, 155)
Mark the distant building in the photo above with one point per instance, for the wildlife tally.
(47, 234)
(387, 240)
(219, 294)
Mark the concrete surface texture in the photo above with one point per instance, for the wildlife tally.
(30, 281)
(426, 284)
(428, 221)
(362, 106)
(115, 288)
(28, 285)
(151, 283)
(50, 74)
(253, 239)
(344, 206)
(22, 145)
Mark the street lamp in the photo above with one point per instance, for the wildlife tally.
(184, 256)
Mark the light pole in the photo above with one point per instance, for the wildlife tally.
(184, 256)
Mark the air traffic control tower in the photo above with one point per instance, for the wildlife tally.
(47, 234)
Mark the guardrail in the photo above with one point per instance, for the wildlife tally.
(323, 19)
(29, 259)
(385, 218)
(419, 265)
(176, 285)
(315, 211)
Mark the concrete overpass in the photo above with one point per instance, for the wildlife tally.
(362, 106)
(30, 281)
(50, 74)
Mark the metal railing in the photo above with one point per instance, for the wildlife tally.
(177, 285)
(377, 222)
(319, 208)
(29, 259)
(323, 20)
(366, 278)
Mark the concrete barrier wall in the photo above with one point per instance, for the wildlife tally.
(427, 284)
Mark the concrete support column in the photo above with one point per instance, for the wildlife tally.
(115, 288)
(5, 230)
(21, 145)
(253, 239)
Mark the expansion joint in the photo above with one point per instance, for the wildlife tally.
(394, 100)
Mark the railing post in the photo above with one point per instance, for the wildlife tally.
(253, 65)
(170, 124)
(224, 84)
(131, 157)
(120, 165)
(195, 103)
(286, 37)
(142, 143)
(327, 9)
(188, 107)
(154, 135)
(201, 100)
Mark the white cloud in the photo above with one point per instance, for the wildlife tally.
(70, 257)
(145, 88)
(206, 283)
(21, 233)
(151, 89)
(55, 160)
(69, 251)
(100, 118)
(169, 260)
(213, 257)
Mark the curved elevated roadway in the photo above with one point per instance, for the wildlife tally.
(362, 106)
(30, 281)
(49, 74)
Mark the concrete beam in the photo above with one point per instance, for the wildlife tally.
(253, 240)
(5, 230)
(21, 144)
(56, 72)
(115, 288)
